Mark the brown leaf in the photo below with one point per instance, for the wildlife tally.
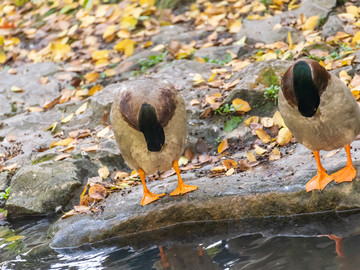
(92, 148)
(229, 163)
(205, 113)
(61, 157)
(97, 192)
(82, 209)
(243, 165)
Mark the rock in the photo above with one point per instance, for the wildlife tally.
(266, 30)
(272, 189)
(41, 189)
(216, 53)
(4, 181)
(332, 26)
(35, 93)
(177, 32)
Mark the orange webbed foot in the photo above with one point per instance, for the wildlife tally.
(182, 189)
(346, 174)
(150, 197)
(319, 182)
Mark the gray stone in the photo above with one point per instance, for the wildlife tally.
(4, 182)
(263, 30)
(41, 189)
(271, 189)
(216, 53)
(177, 32)
(332, 26)
(35, 93)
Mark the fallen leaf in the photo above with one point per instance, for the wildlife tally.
(263, 135)
(250, 120)
(126, 46)
(332, 153)
(311, 23)
(198, 79)
(92, 76)
(83, 209)
(243, 165)
(61, 157)
(90, 148)
(230, 172)
(67, 118)
(10, 167)
(81, 109)
(183, 161)
(241, 106)
(259, 150)
(223, 146)
(218, 169)
(103, 172)
(95, 89)
(109, 31)
(14, 238)
(68, 214)
(250, 156)
(278, 120)
(229, 163)
(103, 132)
(284, 136)
(267, 122)
(97, 191)
(16, 89)
(64, 142)
(194, 102)
(275, 154)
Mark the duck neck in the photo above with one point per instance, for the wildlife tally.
(306, 92)
(151, 128)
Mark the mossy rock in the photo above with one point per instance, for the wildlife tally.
(268, 77)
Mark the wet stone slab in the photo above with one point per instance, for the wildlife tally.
(270, 189)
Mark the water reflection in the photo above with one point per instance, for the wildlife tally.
(328, 241)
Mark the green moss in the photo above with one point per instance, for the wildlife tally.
(268, 77)
(43, 159)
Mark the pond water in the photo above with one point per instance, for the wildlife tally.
(299, 242)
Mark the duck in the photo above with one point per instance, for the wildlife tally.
(148, 117)
(322, 114)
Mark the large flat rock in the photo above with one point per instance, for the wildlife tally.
(270, 189)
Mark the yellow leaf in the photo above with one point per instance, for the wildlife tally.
(275, 154)
(241, 105)
(311, 23)
(212, 77)
(252, 119)
(353, 10)
(259, 150)
(110, 72)
(1, 40)
(103, 132)
(16, 89)
(292, 5)
(263, 135)
(284, 136)
(278, 120)
(126, 46)
(2, 57)
(64, 142)
(67, 118)
(128, 22)
(218, 169)
(103, 172)
(59, 51)
(356, 37)
(81, 109)
(100, 54)
(250, 156)
(290, 41)
(149, 3)
(183, 161)
(109, 31)
(92, 76)
(102, 63)
(10, 167)
(198, 79)
(235, 27)
(95, 89)
(223, 146)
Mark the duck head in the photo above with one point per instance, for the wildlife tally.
(303, 84)
(151, 128)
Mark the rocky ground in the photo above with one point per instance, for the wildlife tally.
(50, 147)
